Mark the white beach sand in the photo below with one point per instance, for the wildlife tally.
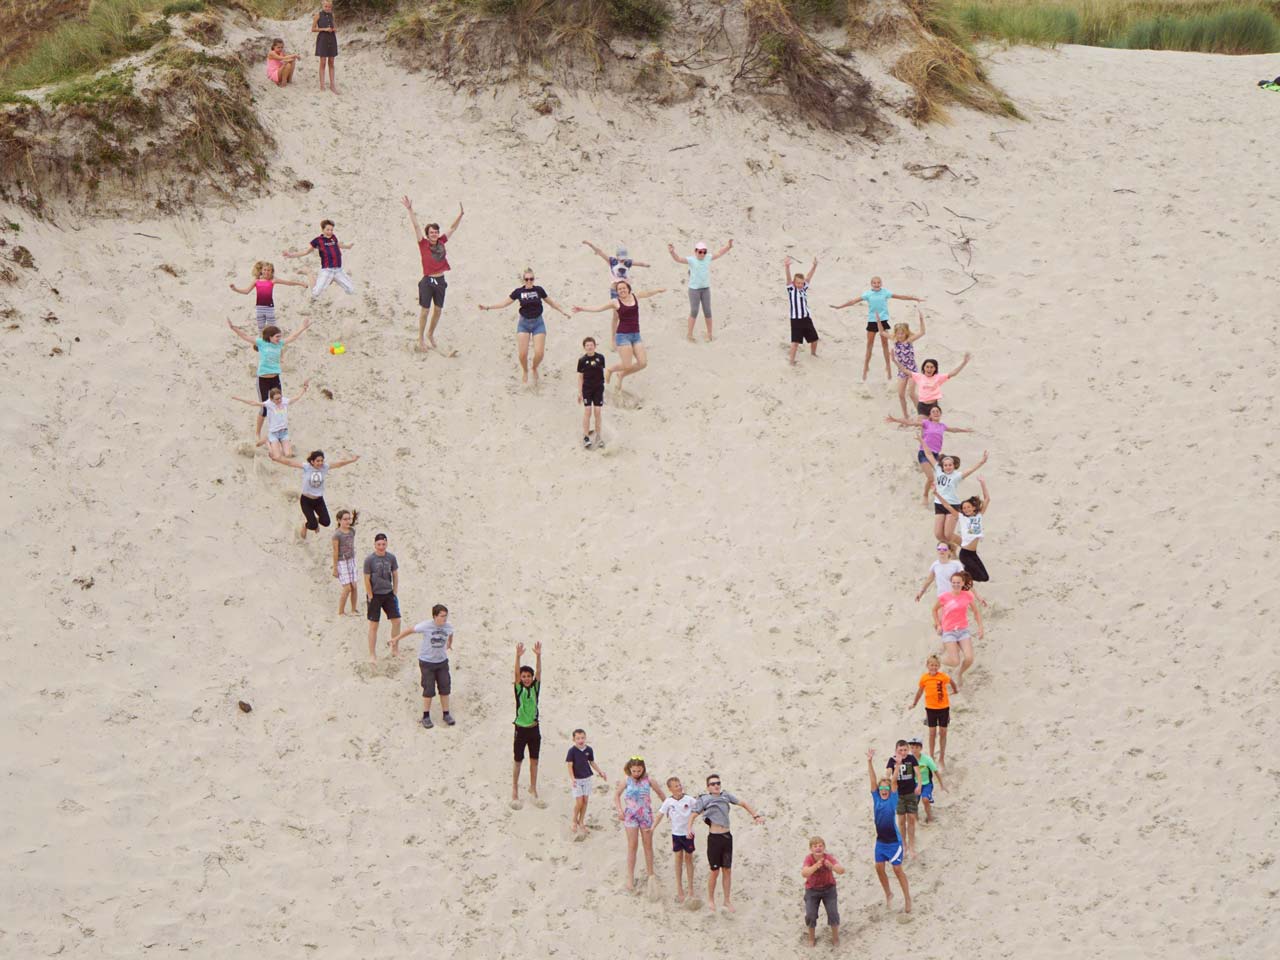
(728, 587)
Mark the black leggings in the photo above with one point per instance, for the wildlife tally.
(314, 509)
(264, 388)
(973, 565)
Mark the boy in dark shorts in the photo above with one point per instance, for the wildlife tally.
(381, 583)
(884, 804)
(902, 767)
(591, 391)
(798, 305)
(678, 808)
(528, 687)
(433, 661)
(714, 806)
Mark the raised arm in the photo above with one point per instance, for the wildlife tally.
(933, 461)
(294, 254)
(871, 770)
(944, 502)
(248, 289)
(906, 296)
(644, 294)
(345, 463)
(596, 250)
(813, 268)
(537, 660)
(957, 370)
(286, 462)
(515, 674)
(723, 250)
(290, 283)
(986, 495)
(907, 421)
(671, 249)
(639, 263)
(976, 467)
(916, 336)
(847, 303)
(786, 269)
(252, 403)
(241, 334)
(299, 332)
(453, 227)
(413, 218)
(898, 362)
(302, 393)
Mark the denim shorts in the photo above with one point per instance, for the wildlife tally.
(534, 326)
(278, 436)
(955, 636)
(626, 339)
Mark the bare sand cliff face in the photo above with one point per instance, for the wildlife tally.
(727, 587)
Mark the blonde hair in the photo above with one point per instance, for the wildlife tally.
(813, 840)
(901, 330)
(262, 266)
(933, 658)
(524, 271)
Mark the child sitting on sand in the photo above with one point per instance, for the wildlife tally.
(280, 65)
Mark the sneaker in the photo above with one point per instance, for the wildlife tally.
(586, 442)
(426, 722)
(448, 718)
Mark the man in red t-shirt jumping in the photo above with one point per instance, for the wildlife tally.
(435, 262)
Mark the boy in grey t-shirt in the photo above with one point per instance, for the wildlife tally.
(433, 660)
(381, 583)
(714, 806)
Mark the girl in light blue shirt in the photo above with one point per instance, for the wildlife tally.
(699, 280)
(877, 300)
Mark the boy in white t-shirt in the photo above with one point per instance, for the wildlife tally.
(678, 808)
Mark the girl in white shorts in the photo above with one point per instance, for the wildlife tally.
(344, 558)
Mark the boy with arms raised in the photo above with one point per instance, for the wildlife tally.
(528, 687)
(884, 806)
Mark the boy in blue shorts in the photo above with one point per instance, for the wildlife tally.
(678, 808)
(928, 773)
(884, 809)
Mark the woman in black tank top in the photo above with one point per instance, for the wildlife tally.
(626, 330)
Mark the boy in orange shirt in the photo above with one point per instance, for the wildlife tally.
(937, 705)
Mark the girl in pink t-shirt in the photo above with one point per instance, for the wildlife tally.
(929, 382)
(951, 620)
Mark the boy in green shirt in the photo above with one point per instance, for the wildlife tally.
(528, 685)
(927, 771)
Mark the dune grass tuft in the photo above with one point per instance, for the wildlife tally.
(1207, 26)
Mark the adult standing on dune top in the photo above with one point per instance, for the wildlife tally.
(877, 300)
(323, 27)
(435, 263)
(699, 280)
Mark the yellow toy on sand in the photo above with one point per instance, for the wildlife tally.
(337, 348)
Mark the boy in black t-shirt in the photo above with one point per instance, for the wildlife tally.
(902, 767)
(591, 391)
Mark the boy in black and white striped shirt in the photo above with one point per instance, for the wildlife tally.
(798, 299)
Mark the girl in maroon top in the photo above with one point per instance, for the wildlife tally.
(626, 330)
(264, 282)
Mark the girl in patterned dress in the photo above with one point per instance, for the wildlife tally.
(905, 353)
(635, 810)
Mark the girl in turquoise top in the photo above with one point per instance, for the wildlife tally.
(270, 346)
(635, 810)
(877, 301)
(699, 280)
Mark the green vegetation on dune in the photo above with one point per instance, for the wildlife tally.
(1188, 25)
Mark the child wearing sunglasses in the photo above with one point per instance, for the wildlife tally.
(714, 806)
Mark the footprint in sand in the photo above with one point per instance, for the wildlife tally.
(579, 837)
(540, 803)
(693, 904)
(516, 805)
(247, 449)
(651, 889)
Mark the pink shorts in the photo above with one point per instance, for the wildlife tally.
(273, 70)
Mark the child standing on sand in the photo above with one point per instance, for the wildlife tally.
(344, 558)
(326, 32)
(635, 810)
(433, 661)
(877, 300)
(330, 250)
(934, 685)
(928, 772)
(591, 392)
(264, 284)
(678, 808)
(528, 687)
(715, 805)
(798, 308)
(699, 281)
(581, 761)
(902, 767)
(819, 871)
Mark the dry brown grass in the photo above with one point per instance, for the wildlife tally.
(940, 72)
(818, 85)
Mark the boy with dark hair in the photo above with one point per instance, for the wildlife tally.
(330, 250)
(581, 761)
(929, 775)
(714, 805)
(433, 661)
(381, 584)
(902, 767)
(528, 686)
(591, 367)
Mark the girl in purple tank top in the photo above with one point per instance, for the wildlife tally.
(904, 352)
(626, 330)
(264, 283)
(932, 430)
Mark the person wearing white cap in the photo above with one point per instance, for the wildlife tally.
(620, 265)
(699, 280)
